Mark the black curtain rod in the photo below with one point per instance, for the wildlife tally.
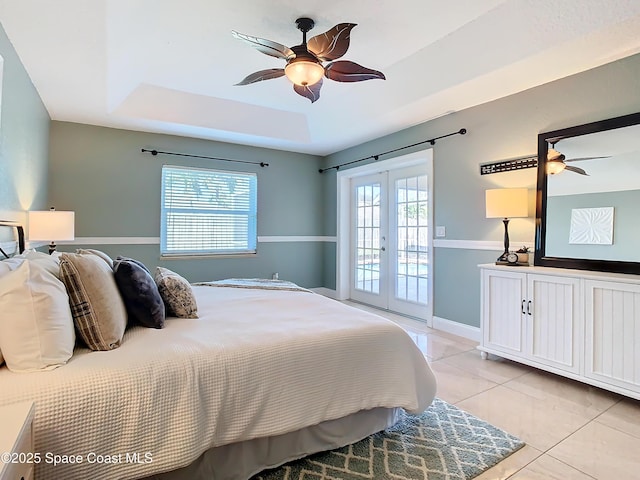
(156, 152)
(432, 141)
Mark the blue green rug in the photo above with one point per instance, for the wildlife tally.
(443, 443)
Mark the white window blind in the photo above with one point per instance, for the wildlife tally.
(207, 211)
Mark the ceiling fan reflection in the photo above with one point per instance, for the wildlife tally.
(557, 162)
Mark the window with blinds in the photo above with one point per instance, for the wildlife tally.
(207, 211)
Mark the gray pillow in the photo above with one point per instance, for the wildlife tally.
(140, 293)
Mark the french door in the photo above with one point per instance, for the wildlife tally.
(390, 239)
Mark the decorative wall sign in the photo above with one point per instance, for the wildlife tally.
(591, 226)
(519, 163)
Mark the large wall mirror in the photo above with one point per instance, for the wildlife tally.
(588, 199)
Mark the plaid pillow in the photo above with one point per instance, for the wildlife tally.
(97, 309)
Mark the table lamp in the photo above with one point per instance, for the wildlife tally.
(51, 225)
(506, 203)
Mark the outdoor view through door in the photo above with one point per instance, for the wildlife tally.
(391, 240)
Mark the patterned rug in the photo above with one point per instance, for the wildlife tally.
(443, 443)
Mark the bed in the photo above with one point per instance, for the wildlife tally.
(261, 377)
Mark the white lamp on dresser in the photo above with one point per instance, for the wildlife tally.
(506, 203)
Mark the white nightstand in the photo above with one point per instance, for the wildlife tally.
(16, 438)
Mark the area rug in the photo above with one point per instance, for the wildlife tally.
(443, 443)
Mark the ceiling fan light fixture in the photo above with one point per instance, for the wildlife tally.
(305, 62)
(304, 71)
(553, 154)
(555, 166)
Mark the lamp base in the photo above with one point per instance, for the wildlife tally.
(52, 247)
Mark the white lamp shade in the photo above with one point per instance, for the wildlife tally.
(507, 203)
(51, 225)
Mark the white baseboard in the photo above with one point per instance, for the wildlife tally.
(449, 326)
(327, 292)
(455, 328)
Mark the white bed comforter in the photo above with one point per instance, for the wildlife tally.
(256, 363)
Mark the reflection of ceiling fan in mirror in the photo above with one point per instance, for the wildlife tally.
(557, 162)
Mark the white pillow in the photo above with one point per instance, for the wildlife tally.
(36, 328)
(4, 268)
(50, 262)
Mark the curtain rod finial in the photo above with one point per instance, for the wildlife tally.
(462, 131)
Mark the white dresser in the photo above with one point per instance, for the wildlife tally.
(580, 324)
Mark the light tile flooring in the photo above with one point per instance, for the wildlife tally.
(573, 431)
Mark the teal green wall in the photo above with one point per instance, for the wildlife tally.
(498, 130)
(24, 138)
(114, 188)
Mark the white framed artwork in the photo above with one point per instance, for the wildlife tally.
(591, 226)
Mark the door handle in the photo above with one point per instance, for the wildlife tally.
(523, 301)
(529, 307)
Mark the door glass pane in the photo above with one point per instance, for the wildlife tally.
(412, 239)
(367, 266)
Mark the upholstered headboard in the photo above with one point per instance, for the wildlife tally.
(11, 239)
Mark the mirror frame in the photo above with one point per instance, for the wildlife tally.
(540, 258)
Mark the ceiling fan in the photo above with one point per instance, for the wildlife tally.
(557, 162)
(305, 61)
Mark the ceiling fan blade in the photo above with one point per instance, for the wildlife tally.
(554, 140)
(583, 158)
(576, 170)
(267, 47)
(312, 92)
(262, 75)
(345, 71)
(333, 43)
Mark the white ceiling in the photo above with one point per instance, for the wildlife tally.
(170, 66)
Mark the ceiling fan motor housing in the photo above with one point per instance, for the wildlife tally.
(305, 24)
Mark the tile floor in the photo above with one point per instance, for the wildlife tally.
(573, 431)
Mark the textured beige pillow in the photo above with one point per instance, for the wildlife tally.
(98, 253)
(96, 306)
(176, 293)
(36, 328)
